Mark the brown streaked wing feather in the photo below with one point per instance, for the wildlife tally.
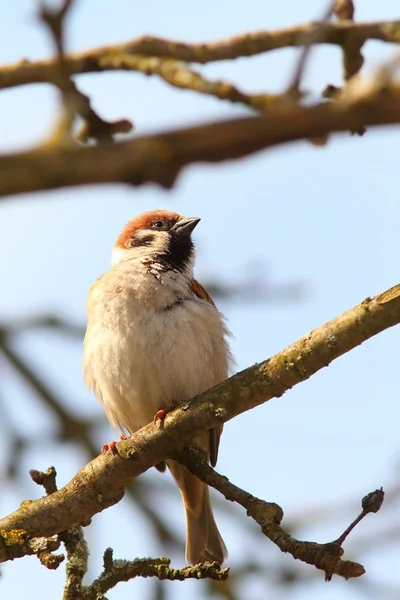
(214, 434)
(200, 292)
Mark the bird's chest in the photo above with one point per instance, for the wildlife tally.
(150, 359)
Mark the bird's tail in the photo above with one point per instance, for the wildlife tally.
(203, 540)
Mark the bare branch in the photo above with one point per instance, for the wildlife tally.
(45, 478)
(371, 503)
(77, 562)
(160, 158)
(268, 515)
(17, 543)
(344, 10)
(39, 321)
(74, 542)
(310, 39)
(74, 101)
(73, 427)
(246, 44)
(179, 75)
(101, 483)
(353, 59)
(116, 571)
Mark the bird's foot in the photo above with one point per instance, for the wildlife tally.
(160, 414)
(112, 446)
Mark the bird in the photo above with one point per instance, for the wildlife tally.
(155, 339)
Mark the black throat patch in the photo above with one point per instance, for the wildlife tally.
(179, 253)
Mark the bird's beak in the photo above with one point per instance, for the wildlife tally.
(186, 225)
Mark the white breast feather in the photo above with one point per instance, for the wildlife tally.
(150, 344)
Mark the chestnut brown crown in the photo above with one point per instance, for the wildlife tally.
(164, 235)
(146, 220)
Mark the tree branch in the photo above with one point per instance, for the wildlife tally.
(246, 44)
(310, 40)
(160, 158)
(116, 571)
(101, 483)
(179, 75)
(74, 101)
(268, 515)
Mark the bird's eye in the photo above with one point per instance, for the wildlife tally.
(158, 224)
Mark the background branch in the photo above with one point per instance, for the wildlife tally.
(160, 158)
(246, 44)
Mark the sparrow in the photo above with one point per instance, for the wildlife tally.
(155, 339)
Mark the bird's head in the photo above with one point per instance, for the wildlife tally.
(161, 235)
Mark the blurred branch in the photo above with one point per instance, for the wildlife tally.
(310, 39)
(247, 44)
(74, 101)
(101, 483)
(45, 321)
(79, 430)
(159, 158)
(179, 75)
(353, 60)
(54, 19)
(255, 288)
(72, 428)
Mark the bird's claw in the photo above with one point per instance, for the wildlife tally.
(160, 414)
(112, 446)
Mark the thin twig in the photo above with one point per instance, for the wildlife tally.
(45, 478)
(73, 539)
(116, 571)
(73, 100)
(179, 75)
(268, 515)
(310, 39)
(353, 59)
(371, 503)
(54, 19)
(77, 562)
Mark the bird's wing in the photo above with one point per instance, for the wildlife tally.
(214, 434)
(200, 292)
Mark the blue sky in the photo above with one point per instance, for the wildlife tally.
(327, 217)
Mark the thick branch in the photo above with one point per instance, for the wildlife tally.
(159, 158)
(101, 483)
(247, 44)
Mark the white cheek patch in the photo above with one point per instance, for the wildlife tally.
(158, 245)
(117, 255)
